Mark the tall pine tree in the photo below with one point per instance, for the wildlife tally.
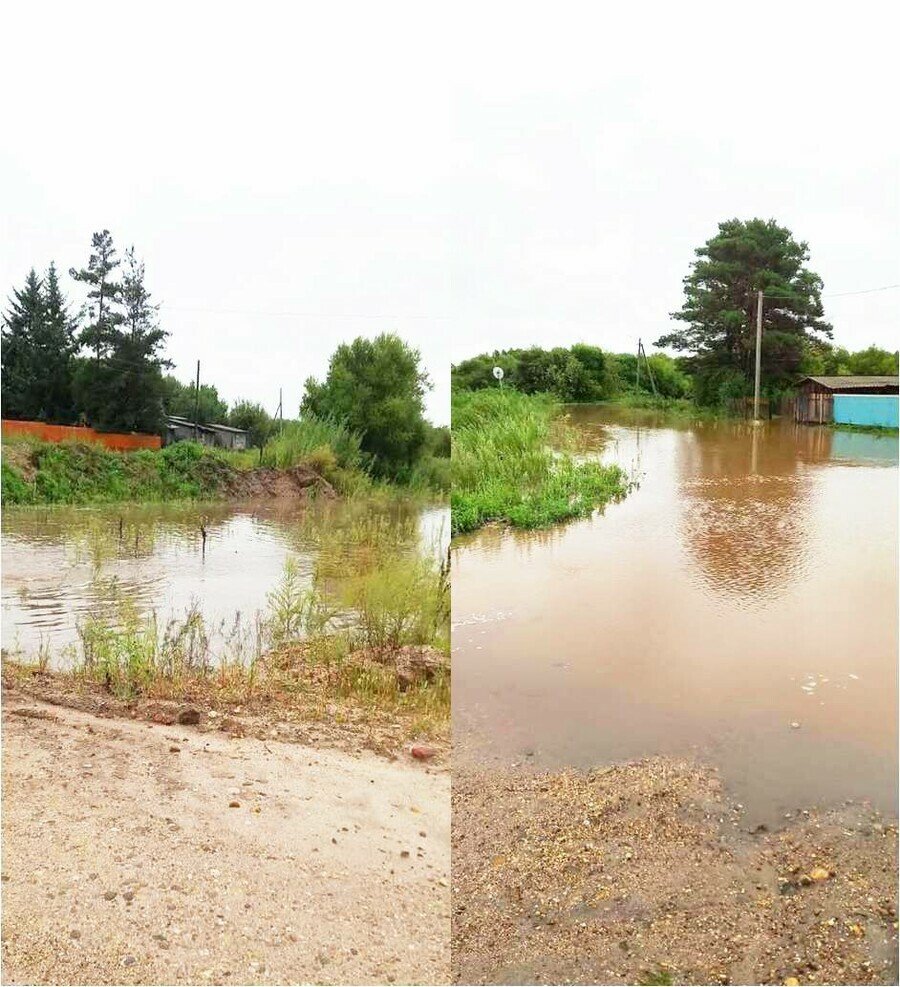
(136, 354)
(104, 294)
(720, 302)
(122, 389)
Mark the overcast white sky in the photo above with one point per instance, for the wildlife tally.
(468, 176)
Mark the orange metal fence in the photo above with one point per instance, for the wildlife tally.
(73, 433)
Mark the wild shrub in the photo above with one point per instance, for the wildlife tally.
(504, 468)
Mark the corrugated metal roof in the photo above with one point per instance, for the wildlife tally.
(209, 427)
(854, 382)
(226, 428)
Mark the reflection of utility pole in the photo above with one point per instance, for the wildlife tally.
(759, 318)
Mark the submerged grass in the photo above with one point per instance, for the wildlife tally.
(363, 638)
(884, 431)
(504, 468)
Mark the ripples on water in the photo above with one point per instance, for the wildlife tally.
(62, 565)
(747, 564)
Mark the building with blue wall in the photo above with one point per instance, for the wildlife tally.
(866, 409)
(848, 400)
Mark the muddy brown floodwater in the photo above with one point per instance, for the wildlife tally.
(740, 606)
(62, 565)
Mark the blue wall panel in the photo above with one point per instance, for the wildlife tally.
(866, 409)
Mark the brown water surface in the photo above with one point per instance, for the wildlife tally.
(63, 565)
(749, 583)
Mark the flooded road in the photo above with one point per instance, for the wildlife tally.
(741, 603)
(62, 565)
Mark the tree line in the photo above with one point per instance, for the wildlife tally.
(579, 374)
(101, 366)
(715, 336)
(105, 366)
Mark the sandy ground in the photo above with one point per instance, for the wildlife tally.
(158, 854)
(647, 873)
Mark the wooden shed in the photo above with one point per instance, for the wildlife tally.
(223, 436)
(814, 402)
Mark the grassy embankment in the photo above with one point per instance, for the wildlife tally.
(505, 467)
(363, 643)
(82, 473)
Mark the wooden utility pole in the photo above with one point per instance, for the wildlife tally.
(642, 351)
(280, 413)
(197, 404)
(759, 318)
(637, 376)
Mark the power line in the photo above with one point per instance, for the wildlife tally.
(834, 294)
(301, 315)
(865, 291)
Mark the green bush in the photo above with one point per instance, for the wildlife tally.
(15, 490)
(300, 440)
(503, 468)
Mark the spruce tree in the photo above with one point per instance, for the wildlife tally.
(56, 346)
(21, 322)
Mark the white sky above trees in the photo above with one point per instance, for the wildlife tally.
(470, 176)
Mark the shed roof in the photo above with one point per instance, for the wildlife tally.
(209, 427)
(227, 428)
(851, 382)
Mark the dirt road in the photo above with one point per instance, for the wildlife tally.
(645, 873)
(136, 853)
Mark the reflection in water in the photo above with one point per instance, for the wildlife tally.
(748, 582)
(61, 565)
(745, 508)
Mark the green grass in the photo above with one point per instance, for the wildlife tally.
(677, 408)
(325, 636)
(884, 430)
(656, 978)
(36, 472)
(86, 472)
(505, 470)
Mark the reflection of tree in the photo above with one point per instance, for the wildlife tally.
(745, 500)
